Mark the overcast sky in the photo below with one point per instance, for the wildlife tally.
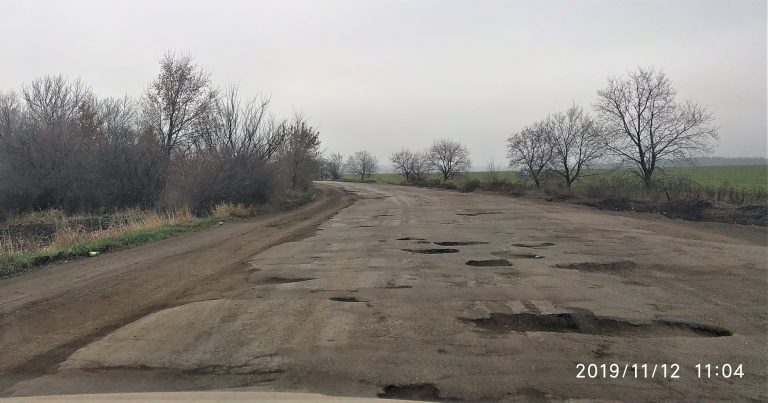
(381, 75)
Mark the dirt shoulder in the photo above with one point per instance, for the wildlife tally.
(46, 315)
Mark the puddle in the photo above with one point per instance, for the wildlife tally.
(489, 263)
(434, 251)
(533, 245)
(624, 265)
(460, 243)
(512, 255)
(417, 391)
(585, 322)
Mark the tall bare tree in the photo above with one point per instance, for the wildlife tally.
(449, 157)
(576, 141)
(531, 149)
(301, 152)
(177, 102)
(362, 163)
(647, 124)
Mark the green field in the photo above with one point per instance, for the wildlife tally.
(739, 176)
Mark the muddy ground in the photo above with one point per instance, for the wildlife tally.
(406, 293)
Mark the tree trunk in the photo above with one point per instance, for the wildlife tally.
(647, 181)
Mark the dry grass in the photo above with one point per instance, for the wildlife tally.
(68, 233)
(36, 239)
(232, 210)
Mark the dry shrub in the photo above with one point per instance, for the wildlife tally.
(238, 210)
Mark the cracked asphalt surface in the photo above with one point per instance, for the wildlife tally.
(401, 292)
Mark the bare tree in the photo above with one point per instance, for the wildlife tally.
(177, 102)
(335, 165)
(449, 157)
(55, 100)
(301, 152)
(421, 166)
(413, 166)
(576, 140)
(403, 163)
(647, 125)
(239, 127)
(531, 150)
(362, 163)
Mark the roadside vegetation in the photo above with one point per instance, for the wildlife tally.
(81, 174)
(35, 239)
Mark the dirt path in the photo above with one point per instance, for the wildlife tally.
(50, 313)
(407, 293)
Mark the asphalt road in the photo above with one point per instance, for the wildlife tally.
(406, 293)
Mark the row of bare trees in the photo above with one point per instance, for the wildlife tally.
(184, 141)
(639, 123)
(361, 163)
(447, 157)
(565, 143)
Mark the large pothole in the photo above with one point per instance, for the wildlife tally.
(281, 280)
(586, 322)
(346, 299)
(417, 391)
(432, 251)
(489, 263)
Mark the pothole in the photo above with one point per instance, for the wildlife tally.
(346, 299)
(512, 255)
(423, 242)
(460, 243)
(392, 285)
(624, 265)
(533, 245)
(432, 251)
(282, 280)
(479, 213)
(489, 263)
(417, 391)
(585, 322)
(410, 238)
